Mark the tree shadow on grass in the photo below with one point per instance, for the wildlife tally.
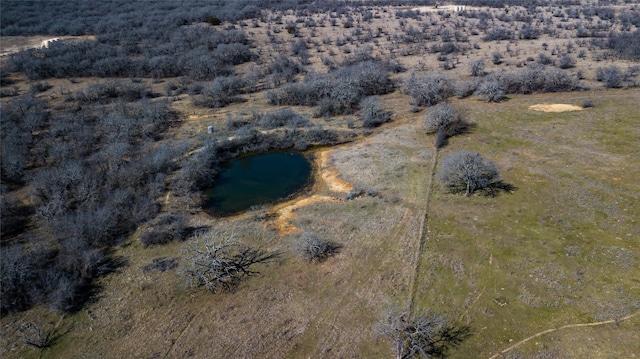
(459, 127)
(41, 336)
(331, 250)
(494, 189)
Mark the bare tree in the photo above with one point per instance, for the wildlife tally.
(467, 172)
(428, 90)
(423, 335)
(373, 114)
(442, 117)
(215, 260)
(36, 336)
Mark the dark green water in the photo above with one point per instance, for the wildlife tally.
(256, 179)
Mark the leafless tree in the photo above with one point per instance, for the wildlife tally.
(467, 172)
(422, 335)
(215, 261)
(428, 90)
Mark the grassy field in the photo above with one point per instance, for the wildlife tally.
(561, 248)
(548, 268)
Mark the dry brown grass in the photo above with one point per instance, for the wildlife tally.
(576, 177)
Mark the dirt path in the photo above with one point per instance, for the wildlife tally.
(612, 321)
(182, 332)
(422, 238)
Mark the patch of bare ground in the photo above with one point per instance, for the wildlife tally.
(13, 44)
(556, 107)
(445, 8)
(327, 178)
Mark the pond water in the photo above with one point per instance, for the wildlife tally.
(256, 179)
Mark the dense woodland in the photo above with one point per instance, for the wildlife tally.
(83, 171)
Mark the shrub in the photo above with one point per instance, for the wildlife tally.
(465, 89)
(284, 117)
(557, 80)
(214, 21)
(428, 89)
(611, 76)
(496, 58)
(477, 67)
(220, 92)
(441, 117)
(566, 61)
(373, 114)
(626, 44)
(40, 86)
(319, 135)
(587, 104)
(490, 91)
(467, 172)
(529, 33)
(499, 33)
(336, 93)
(311, 247)
(545, 59)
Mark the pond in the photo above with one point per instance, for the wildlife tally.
(256, 179)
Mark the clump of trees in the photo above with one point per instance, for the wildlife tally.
(534, 78)
(421, 335)
(283, 118)
(335, 93)
(198, 52)
(215, 261)
(92, 173)
(467, 172)
(220, 92)
(626, 44)
(499, 33)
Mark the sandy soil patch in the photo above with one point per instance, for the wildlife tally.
(286, 214)
(330, 175)
(327, 176)
(557, 107)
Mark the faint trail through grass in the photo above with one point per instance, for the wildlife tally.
(422, 238)
(504, 351)
(175, 342)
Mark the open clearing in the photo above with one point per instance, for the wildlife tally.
(561, 249)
